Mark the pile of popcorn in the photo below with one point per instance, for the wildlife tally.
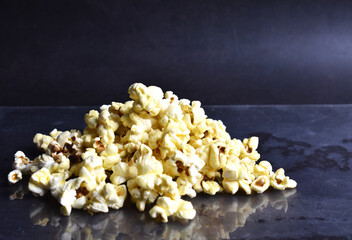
(155, 147)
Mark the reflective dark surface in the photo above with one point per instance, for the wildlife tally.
(217, 217)
(312, 143)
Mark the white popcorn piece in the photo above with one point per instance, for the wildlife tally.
(147, 165)
(67, 142)
(98, 206)
(214, 158)
(97, 202)
(279, 181)
(57, 183)
(170, 168)
(54, 133)
(63, 138)
(173, 111)
(147, 181)
(158, 213)
(166, 207)
(43, 160)
(122, 172)
(187, 168)
(68, 197)
(160, 183)
(140, 196)
(245, 185)
(261, 184)
(107, 195)
(250, 148)
(169, 205)
(263, 168)
(230, 186)
(291, 183)
(91, 119)
(114, 195)
(62, 164)
(14, 176)
(146, 188)
(186, 189)
(74, 195)
(234, 171)
(93, 169)
(89, 136)
(39, 181)
(90, 182)
(22, 163)
(248, 164)
(145, 98)
(59, 164)
(185, 210)
(110, 156)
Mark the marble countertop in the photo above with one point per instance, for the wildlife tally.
(313, 143)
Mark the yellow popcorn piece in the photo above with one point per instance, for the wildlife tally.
(107, 196)
(39, 181)
(186, 188)
(59, 164)
(91, 119)
(211, 187)
(146, 163)
(245, 186)
(122, 172)
(234, 171)
(42, 141)
(188, 167)
(111, 156)
(263, 168)
(146, 188)
(156, 147)
(250, 148)
(279, 181)
(93, 171)
(140, 196)
(160, 183)
(54, 133)
(145, 98)
(169, 205)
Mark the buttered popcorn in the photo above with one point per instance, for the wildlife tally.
(156, 148)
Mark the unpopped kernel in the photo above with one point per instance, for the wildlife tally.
(156, 148)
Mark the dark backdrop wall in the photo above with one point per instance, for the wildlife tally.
(219, 52)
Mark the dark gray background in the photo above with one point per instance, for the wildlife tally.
(219, 52)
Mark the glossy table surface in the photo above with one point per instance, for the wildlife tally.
(312, 143)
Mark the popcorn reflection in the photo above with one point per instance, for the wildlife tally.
(19, 190)
(217, 216)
